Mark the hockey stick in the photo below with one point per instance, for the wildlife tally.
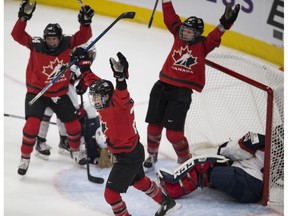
(129, 15)
(21, 117)
(94, 179)
(81, 4)
(153, 12)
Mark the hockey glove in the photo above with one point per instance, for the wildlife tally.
(81, 88)
(26, 9)
(120, 68)
(83, 60)
(229, 16)
(80, 113)
(85, 15)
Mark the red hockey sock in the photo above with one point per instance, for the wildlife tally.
(30, 132)
(73, 129)
(180, 144)
(150, 188)
(153, 138)
(118, 205)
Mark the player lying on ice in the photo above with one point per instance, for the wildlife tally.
(240, 176)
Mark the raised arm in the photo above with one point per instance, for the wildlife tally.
(171, 19)
(25, 13)
(85, 16)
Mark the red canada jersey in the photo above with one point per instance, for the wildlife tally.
(185, 64)
(118, 123)
(43, 64)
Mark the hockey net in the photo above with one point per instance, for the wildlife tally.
(241, 94)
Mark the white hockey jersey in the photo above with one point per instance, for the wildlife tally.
(247, 153)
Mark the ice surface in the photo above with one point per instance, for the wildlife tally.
(59, 186)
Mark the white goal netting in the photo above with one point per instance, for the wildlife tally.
(229, 107)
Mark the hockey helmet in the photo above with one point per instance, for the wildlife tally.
(53, 30)
(100, 94)
(192, 24)
(51, 33)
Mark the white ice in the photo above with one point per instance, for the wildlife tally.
(59, 186)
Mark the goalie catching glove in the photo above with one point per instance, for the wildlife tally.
(229, 16)
(119, 68)
(26, 9)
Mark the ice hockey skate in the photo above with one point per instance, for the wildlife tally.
(80, 156)
(168, 207)
(23, 166)
(149, 163)
(42, 149)
(64, 148)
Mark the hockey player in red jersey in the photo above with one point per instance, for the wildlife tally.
(116, 110)
(182, 73)
(47, 56)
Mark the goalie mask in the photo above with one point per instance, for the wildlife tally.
(100, 94)
(52, 36)
(190, 29)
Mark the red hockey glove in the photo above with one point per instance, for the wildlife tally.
(81, 88)
(81, 113)
(119, 68)
(229, 16)
(26, 9)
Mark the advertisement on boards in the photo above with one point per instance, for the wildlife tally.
(259, 19)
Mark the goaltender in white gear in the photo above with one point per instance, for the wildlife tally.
(241, 178)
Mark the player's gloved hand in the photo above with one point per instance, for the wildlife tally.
(229, 16)
(119, 68)
(83, 60)
(80, 113)
(81, 88)
(85, 15)
(26, 9)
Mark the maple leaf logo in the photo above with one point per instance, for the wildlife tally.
(184, 58)
(53, 69)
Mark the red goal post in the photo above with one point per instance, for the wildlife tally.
(241, 94)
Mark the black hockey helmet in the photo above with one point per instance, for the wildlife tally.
(195, 24)
(100, 93)
(52, 30)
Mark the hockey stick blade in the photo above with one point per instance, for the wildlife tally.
(94, 179)
(128, 15)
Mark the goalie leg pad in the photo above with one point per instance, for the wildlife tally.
(183, 187)
(203, 170)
